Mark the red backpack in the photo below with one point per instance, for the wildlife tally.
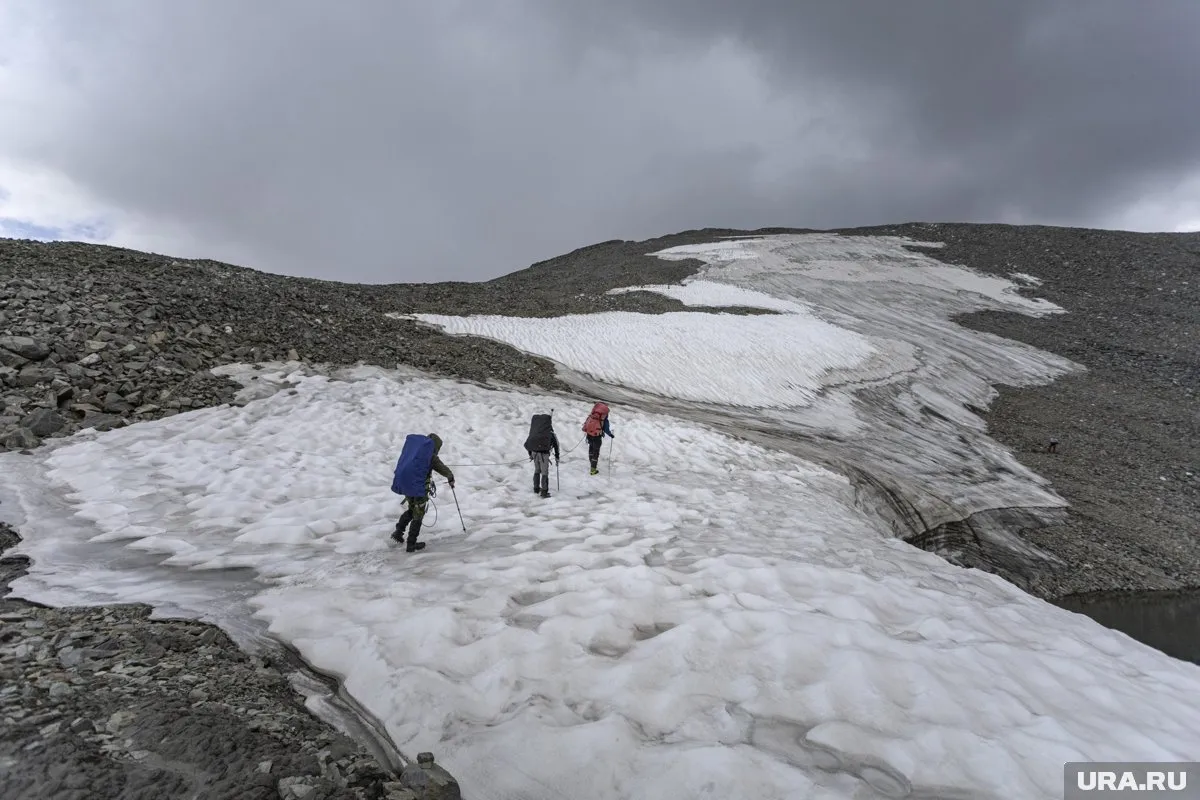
(594, 424)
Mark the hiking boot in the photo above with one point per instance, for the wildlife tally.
(545, 493)
(397, 536)
(415, 547)
(593, 471)
(413, 533)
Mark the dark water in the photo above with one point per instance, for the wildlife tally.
(1168, 621)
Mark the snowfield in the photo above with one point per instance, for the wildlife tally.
(706, 617)
(779, 360)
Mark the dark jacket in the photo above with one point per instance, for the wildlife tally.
(436, 465)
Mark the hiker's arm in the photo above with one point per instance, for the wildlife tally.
(607, 429)
(554, 441)
(442, 469)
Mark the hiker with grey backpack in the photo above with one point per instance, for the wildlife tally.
(538, 444)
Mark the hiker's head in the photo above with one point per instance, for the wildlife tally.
(437, 442)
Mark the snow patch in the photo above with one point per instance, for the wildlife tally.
(710, 293)
(747, 361)
(711, 617)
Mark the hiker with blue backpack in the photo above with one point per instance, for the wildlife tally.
(596, 427)
(414, 480)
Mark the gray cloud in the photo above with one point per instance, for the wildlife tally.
(383, 141)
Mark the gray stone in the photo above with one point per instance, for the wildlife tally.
(44, 422)
(21, 439)
(295, 788)
(71, 657)
(103, 422)
(32, 376)
(119, 721)
(83, 726)
(59, 690)
(116, 404)
(11, 359)
(25, 346)
(394, 790)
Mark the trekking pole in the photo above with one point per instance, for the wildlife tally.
(610, 444)
(456, 505)
(557, 482)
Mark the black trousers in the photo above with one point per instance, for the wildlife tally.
(412, 517)
(594, 445)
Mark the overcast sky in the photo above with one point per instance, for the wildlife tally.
(388, 140)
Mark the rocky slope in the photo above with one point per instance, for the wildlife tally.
(1129, 427)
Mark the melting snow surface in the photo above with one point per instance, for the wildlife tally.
(1026, 279)
(750, 361)
(710, 293)
(710, 619)
(854, 259)
(759, 361)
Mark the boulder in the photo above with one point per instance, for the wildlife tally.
(44, 422)
(116, 404)
(32, 376)
(24, 346)
(10, 359)
(21, 439)
(102, 422)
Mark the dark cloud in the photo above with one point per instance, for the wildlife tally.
(1056, 107)
(378, 140)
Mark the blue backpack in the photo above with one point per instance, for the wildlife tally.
(412, 469)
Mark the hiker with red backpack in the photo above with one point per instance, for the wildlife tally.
(596, 427)
(414, 480)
